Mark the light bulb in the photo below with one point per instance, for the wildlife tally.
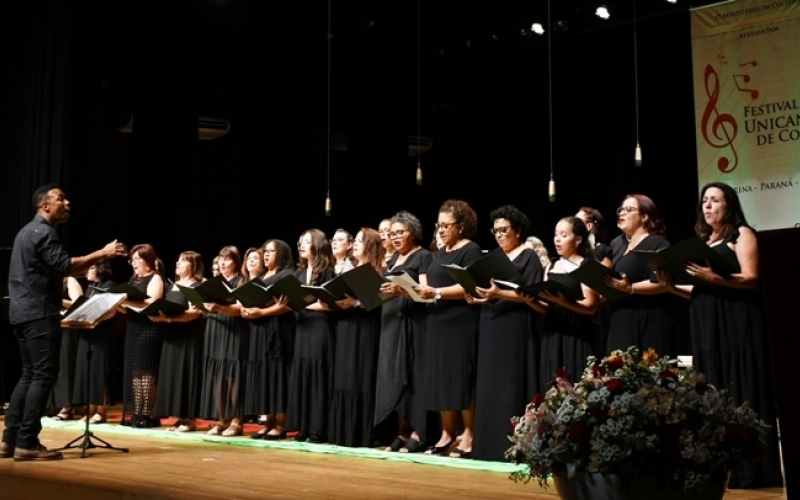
(328, 206)
(551, 190)
(637, 155)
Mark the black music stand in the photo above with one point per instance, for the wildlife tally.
(87, 436)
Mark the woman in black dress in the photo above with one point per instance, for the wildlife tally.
(272, 337)
(356, 355)
(384, 228)
(62, 394)
(225, 354)
(401, 356)
(100, 342)
(596, 225)
(506, 378)
(312, 369)
(568, 334)
(143, 342)
(452, 329)
(643, 319)
(253, 264)
(342, 248)
(182, 351)
(729, 341)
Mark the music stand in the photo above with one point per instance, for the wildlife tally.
(87, 436)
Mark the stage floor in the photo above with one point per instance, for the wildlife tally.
(164, 464)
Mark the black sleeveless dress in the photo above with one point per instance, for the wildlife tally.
(270, 360)
(180, 371)
(143, 342)
(225, 343)
(644, 321)
(729, 345)
(311, 380)
(568, 338)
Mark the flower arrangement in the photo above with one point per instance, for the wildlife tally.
(635, 414)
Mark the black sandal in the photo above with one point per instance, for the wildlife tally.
(438, 450)
(396, 444)
(412, 446)
(459, 453)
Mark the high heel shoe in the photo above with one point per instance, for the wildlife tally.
(216, 430)
(234, 429)
(438, 450)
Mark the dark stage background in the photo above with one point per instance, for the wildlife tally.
(72, 73)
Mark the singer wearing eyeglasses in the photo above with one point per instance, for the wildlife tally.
(452, 330)
(507, 358)
(643, 318)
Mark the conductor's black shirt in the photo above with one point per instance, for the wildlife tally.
(38, 265)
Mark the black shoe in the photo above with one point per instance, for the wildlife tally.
(316, 439)
(274, 437)
(438, 450)
(6, 450)
(300, 438)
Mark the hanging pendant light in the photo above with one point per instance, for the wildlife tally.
(551, 186)
(637, 153)
(419, 99)
(328, 204)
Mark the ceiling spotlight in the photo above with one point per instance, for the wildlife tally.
(602, 12)
(672, 1)
(537, 28)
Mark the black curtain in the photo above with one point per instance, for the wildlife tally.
(34, 143)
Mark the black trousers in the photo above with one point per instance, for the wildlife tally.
(40, 348)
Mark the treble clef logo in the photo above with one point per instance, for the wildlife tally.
(719, 131)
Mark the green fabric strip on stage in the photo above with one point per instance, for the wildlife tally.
(201, 436)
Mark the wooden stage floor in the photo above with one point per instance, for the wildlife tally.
(166, 467)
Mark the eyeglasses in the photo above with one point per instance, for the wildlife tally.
(135, 259)
(445, 226)
(500, 230)
(626, 210)
(384, 231)
(397, 234)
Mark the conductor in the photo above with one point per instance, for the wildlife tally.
(38, 264)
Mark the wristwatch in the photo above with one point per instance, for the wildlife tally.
(437, 294)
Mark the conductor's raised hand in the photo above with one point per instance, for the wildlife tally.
(115, 249)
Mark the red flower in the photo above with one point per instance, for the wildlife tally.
(701, 387)
(563, 374)
(615, 363)
(598, 412)
(575, 432)
(537, 400)
(598, 371)
(614, 386)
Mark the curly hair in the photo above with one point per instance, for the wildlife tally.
(734, 215)
(647, 207)
(411, 222)
(520, 222)
(284, 258)
(464, 215)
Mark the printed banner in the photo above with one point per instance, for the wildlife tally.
(746, 60)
